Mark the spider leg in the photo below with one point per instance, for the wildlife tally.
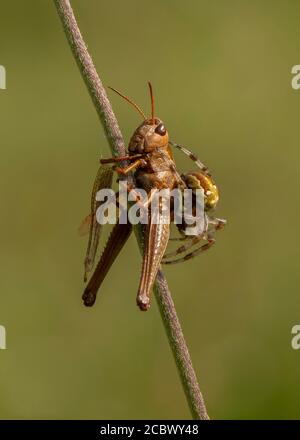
(192, 156)
(178, 238)
(214, 224)
(217, 223)
(185, 247)
(197, 251)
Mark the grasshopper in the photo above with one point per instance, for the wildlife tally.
(150, 160)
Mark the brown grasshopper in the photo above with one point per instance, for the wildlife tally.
(151, 160)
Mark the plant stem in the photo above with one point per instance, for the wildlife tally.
(117, 146)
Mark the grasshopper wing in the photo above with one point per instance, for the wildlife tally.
(103, 180)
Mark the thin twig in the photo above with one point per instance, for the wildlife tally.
(117, 146)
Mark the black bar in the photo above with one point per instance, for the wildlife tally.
(93, 429)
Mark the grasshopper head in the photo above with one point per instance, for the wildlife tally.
(151, 134)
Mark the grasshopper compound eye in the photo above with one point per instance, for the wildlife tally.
(161, 130)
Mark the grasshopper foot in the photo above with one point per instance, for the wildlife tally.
(89, 298)
(143, 302)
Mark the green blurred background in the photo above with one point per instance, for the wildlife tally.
(221, 75)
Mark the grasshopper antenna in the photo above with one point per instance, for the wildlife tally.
(152, 102)
(130, 102)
